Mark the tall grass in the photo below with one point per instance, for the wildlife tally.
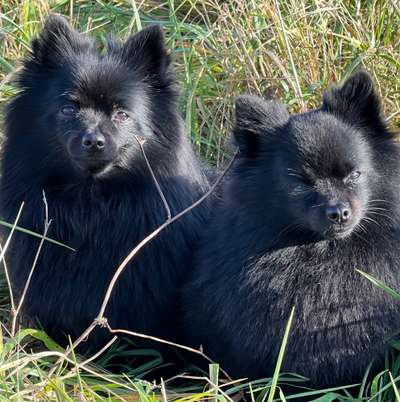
(289, 49)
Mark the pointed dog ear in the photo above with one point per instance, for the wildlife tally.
(356, 102)
(57, 41)
(256, 118)
(146, 51)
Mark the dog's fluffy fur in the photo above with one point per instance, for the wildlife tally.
(275, 242)
(102, 199)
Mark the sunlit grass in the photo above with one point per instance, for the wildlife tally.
(289, 49)
(275, 48)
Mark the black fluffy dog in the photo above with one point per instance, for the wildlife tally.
(313, 197)
(71, 132)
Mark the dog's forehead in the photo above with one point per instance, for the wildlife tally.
(325, 144)
(99, 81)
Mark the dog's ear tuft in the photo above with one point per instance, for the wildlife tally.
(57, 41)
(356, 102)
(146, 51)
(255, 119)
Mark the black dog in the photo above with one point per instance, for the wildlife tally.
(71, 132)
(312, 198)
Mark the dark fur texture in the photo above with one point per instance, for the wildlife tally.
(70, 132)
(275, 243)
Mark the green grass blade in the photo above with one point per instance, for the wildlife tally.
(318, 392)
(380, 284)
(7, 67)
(281, 395)
(395, 389)
(136, 15)
(214, 378)
(30, 232)
(280, 357)
(327, 398)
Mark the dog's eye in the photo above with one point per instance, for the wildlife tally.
(68, 110)
(300, 177)
(354, 176)
(121, 116)
(305, 180)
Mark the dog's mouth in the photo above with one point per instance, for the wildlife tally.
(93, 166)
(333, 231)
(338, 231)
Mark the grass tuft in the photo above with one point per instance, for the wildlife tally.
(273, 48)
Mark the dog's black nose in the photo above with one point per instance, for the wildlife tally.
(93, 141)
(338, 213)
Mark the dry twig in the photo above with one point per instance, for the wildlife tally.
(2, 257)
(101, 319)
(47, 224)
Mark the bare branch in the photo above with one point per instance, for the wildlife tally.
(82, 338)
(102, 350)
(164, 341)
(47, 224)
(152, 235)
(154, 338)
(3, 252)
(101, 320)
(3, 259)
(157, 184)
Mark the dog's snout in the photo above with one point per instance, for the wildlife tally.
(338, 213)
(93, 141)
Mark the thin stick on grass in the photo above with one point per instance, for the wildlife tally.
(2, 257)
(47, 224)
(100, 352)
(152, 235)
(160, 340)
(101, 320)
(141, 141)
